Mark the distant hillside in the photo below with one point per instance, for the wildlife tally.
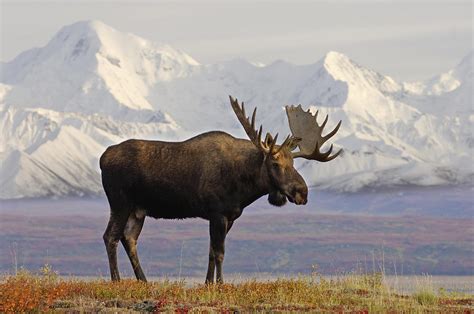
(294, 242)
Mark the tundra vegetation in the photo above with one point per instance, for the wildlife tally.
(357, 293)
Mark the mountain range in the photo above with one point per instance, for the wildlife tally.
(92, 86)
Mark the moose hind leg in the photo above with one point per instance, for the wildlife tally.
(129, 241)
(112, 235)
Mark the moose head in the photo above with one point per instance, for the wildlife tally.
(286, 182)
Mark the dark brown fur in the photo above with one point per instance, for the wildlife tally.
(213, 176)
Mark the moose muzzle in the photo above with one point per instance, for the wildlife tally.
(301, 199)
(298, 195)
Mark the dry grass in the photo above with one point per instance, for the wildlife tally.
(45, 291)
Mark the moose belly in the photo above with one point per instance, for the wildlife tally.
(168, 203)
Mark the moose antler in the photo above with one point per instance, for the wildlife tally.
(305, 125)
(267, 146)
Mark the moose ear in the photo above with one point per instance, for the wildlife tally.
(268, 140)
(293, 143)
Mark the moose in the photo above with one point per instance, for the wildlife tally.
(213, 176)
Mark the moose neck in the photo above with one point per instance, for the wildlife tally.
(256, 177)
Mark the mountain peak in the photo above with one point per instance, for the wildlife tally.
(91, 29)
(340, 67)
(95, 36)
(338, 64)
(335, 57)
(90, 58)
(87, 25)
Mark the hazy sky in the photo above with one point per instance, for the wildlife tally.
(408, 40)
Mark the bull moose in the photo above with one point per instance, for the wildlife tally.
(213, 176)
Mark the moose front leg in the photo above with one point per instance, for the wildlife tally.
(211, 266)
(218, 230)
(212, 262)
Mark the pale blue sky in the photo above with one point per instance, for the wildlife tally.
(407, 40)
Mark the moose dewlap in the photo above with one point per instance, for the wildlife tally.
(213, 176)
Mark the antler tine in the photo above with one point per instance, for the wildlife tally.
(326, 154)
(259, 136)
(318, 155)
(335, 155)
(330, 134)
(253, 118)
(272, 146)
(324, 122)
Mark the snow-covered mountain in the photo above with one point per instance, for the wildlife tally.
(92, 86)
